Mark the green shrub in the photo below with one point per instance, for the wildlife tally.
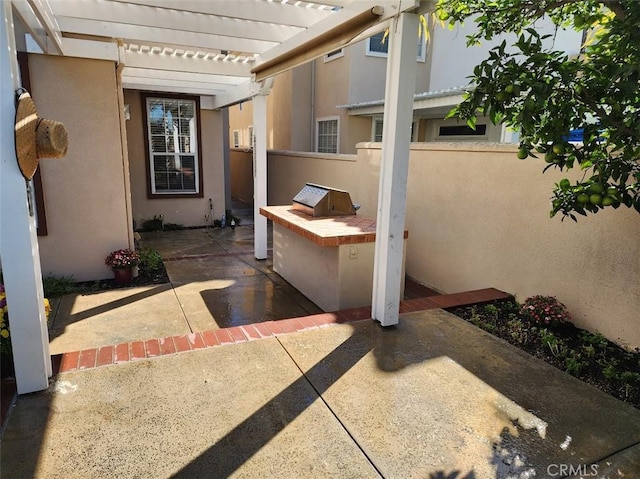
(55, 286)
(153, 224)
(150, 260)
(173, 227)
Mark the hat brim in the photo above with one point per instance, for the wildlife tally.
(25, 135)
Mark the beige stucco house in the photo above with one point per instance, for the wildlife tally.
(337, 101)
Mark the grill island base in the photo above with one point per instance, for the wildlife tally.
(328, 259)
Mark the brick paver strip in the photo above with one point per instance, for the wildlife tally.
(69, 361)
(210, 339)
(167, 346)
(236, 334)
(152, 347)
(250, 332)
(136, 350)
(105, 356)
(122, 353)
(196, 341)
(286, 326)
(182, 344)
(87, 359)
(263, 330)
(223, 336)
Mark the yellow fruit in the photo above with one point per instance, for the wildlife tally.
(608, 201)
(522, 154)
(559, 149)
(596, 188)
(583, 198)
(595, 199)
(442, 15)
(549, 156)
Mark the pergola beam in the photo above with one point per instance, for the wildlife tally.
(43, 11)
(168, 19)
(169, 37)
(253, 10)
(160, 61)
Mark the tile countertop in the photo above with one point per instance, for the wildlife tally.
(325, 230)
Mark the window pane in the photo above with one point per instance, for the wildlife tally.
(376, 44)
(172, 129)
(328, 136)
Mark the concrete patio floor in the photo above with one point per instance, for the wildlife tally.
(433, 397)
(215, 282)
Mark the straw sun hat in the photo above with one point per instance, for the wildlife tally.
(36, 137)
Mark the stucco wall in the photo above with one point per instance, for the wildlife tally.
(84, 191)
(241, 165)
(184, 211)
(451, 44)
(477, 218)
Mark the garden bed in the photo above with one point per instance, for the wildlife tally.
(587, 356)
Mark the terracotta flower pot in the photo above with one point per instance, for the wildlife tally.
(123, 276)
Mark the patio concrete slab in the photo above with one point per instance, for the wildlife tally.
(433, 397)
(241, 411)
(206, 268)
(181, 243)
(115, 316)
(437, 397)
(235, 301)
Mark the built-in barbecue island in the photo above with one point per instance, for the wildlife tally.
(324, 249)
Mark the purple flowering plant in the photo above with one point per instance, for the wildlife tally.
(545, 310)
(122, 259)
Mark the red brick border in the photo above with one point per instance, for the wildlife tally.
(151, 348)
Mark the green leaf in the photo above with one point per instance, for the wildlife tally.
(471, 122)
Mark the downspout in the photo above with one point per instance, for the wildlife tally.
(312, 136)
(124, 148)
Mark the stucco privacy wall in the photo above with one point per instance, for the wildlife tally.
(241, 166)
(184, 211)
(477, 217)
(84, 191)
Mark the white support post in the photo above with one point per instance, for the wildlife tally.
(260, 174)
(18, 240)
(394, 168)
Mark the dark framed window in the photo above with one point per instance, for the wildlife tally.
(174, 162)
(328, 135)
(462, 130)
(378, 46)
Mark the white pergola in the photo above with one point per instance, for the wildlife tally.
(225, 51)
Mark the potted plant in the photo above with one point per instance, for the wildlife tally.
(122, 262)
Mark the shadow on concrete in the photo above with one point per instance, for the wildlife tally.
(58, 326)
(233, 450)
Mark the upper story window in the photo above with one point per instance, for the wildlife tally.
(376, 130)
(236, 138)
(378, 46)
(333, 55)
(328, 135)
(173, 135)
(251, 137)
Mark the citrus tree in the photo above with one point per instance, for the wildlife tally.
(544, 94)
